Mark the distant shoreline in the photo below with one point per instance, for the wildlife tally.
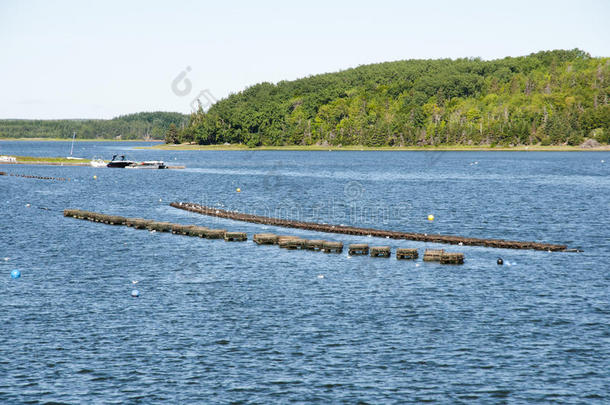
(233, 147)
(449, 148)
(76, 140)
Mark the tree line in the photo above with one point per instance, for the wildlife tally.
(550, 97)
(144, 125)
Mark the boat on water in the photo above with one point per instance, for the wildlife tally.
(119, 161)
(72, 150)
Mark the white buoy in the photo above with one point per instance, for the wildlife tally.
(320, 275)
(135, 293)
(6, 259)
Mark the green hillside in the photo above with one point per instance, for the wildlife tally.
(550, 98)
(144, 125)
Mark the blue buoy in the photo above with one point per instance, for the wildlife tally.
(135, 293)
(15, 274)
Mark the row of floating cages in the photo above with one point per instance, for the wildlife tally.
(294, 243)
(283, 241)
(157, 226)
(440, 255)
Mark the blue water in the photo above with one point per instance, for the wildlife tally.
(220, 322)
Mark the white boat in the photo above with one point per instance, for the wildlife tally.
(72, 150)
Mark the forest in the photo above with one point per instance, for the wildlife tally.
(557, 97)
(140, 126)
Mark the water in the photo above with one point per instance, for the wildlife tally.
(221, 322)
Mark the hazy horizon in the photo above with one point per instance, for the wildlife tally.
(69, 60)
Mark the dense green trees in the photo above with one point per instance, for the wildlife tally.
(550, 97)
(144, 125)
(171, 136)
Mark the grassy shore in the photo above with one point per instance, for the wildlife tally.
(43, 160)
(49, 159)
(560, 148)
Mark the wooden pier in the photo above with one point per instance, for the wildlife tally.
(349, 230)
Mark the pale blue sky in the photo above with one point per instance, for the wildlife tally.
(80, 59)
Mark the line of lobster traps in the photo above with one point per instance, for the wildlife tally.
(287, 242)
(439, 255)
(356, 249)
(294, 242)
(157, 226)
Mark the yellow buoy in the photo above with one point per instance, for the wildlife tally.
(94, 177)
(238, 190)
(430, 217)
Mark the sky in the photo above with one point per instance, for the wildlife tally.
(85, 59)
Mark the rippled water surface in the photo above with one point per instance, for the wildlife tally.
(220, 322)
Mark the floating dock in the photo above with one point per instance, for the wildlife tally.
(349, 230)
